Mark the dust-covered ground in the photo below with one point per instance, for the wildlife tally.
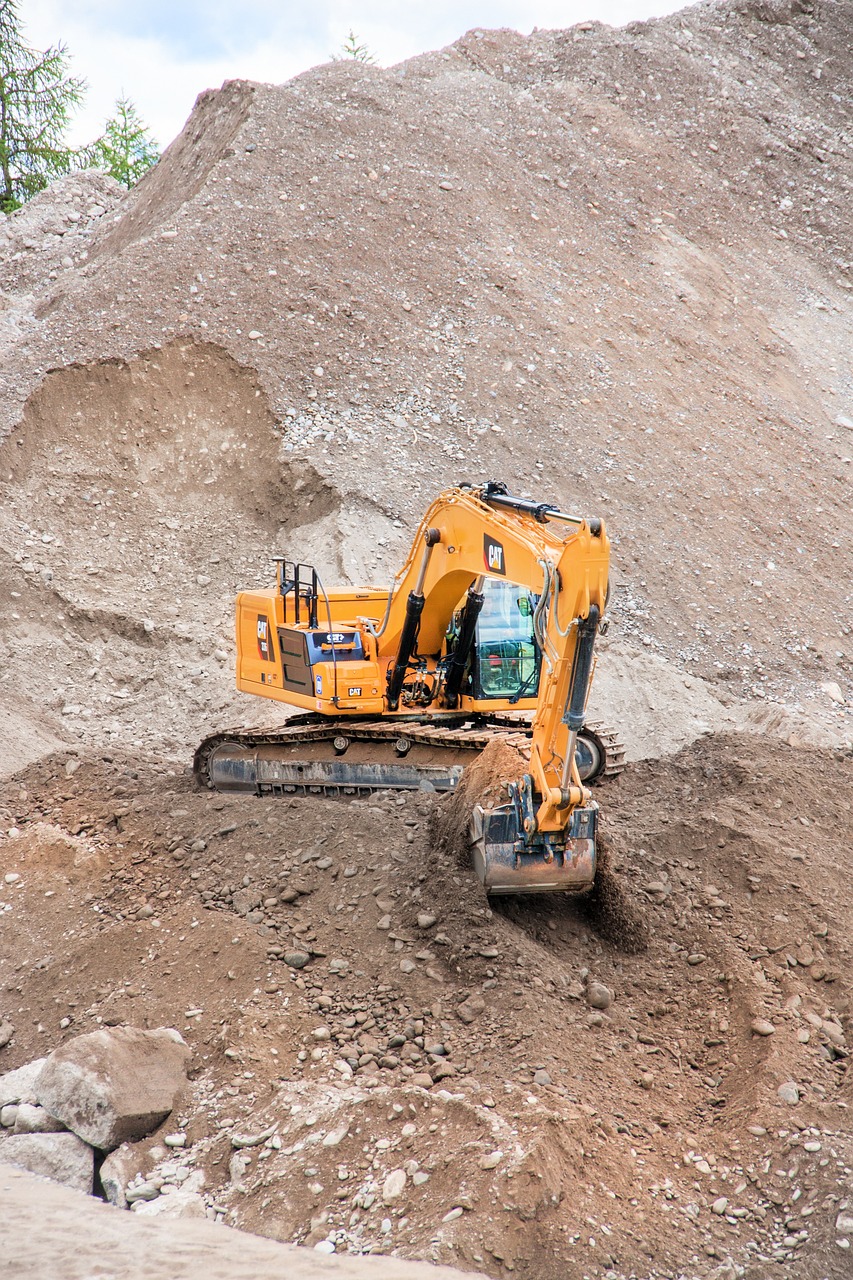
(613, 268)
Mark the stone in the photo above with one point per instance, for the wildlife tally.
(541, 1077)
(421, 1080)
(19, 1085)
(761, 1027)
(180, 1204)
(844, 1223)
(8, 1115)
(114, 1085)
(62, 1157)
(491, 1161)
(598, 996)
(789, 1093)
(471, 1008)
(393, 1186)
(118, 1170)
(833, 691)
(720, 1205)
(141, 1191)
(296, 959)
(6, 1033)
(32, 1119)
(426, 921)
(453, 1214)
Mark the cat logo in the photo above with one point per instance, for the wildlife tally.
(264, 648)
(493, 555)
(354, 691)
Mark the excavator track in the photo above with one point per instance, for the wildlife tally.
(316, 755)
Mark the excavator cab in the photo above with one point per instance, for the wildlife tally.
(506, 658)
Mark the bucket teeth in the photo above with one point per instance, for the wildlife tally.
(507, 860)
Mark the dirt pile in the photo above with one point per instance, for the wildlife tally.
(609, 266)
(383, 1062)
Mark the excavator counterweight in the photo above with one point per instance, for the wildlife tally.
(486, 635)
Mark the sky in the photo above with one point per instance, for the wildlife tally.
(163, 53)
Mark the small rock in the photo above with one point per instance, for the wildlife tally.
(789, 1092)
(598, 996)
(757, 1130)
(6, 1033)
(419, 1177)
(541, 1077)
(8, 1115)
(844, 1223)
(175, 1140)
(833, 691)
(393, 1186)
(453, 1214)
(296, 959)
(421, 1080)
(321, 1033)
(426, 921)
(141, 1191)
(720, 1205)
(471, 1008)
(33, 1119)
(407, 966)
(761, 1027)
(491, 1161)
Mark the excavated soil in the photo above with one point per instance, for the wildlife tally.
(432, 1034)
(611, 267)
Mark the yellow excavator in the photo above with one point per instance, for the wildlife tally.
(486, 634)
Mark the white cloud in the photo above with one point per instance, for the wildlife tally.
(269, 40)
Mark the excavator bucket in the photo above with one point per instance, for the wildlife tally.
(508, 860)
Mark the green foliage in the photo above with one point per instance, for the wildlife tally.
(37, 98)
(353, 48)
(125, 149)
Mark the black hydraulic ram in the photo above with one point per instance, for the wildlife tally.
(574, 715)
(411, 625)
(467, 630)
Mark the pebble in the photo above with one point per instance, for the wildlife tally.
(321, 1033)
(471, 1008)
(296, 959)
(757, 1130)
(6, 1033)
(419, 1177)
(789, 1092)
(322, 1246)
(492, 1160)
(426, 921)
(407, 966)
(393, 1186)
(175, 1140)
(142, 1191)
(598, 996)
(720, 1205)
(453, 1215)
(761, 1027)
(541, 1077)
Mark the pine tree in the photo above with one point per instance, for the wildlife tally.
(125, 149)
(353, 47)
(37, 98)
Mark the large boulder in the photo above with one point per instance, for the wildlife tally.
(114, 1085)
(62, 1157)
